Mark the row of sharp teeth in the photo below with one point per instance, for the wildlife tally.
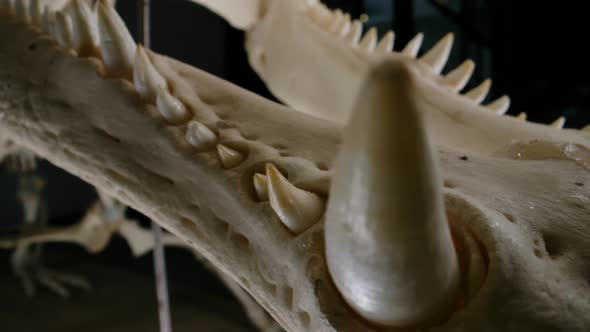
(98, 31)
(340, 24)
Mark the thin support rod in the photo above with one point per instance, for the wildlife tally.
(143, 10)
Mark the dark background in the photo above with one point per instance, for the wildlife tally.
(534, 51)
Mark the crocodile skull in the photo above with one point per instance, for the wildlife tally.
(488, 233)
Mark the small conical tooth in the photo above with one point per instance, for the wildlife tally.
(146, 78)
(480, 92)
(458, 78)
(116, 44)
(369, 41)
(298, 209)
(558, 123)
(413, 46)
(261, 187)
(21, 9)
(355, 33)
(199, 136)
(344, 27)
(85, 28)
(438, 55)
(521, 116)
(386, 43)
(229, 157)
(172, 109)
(63, 30)
(336, 21)
(500, 105)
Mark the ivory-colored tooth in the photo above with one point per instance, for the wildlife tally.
(172, 109)
(344, 27)
(500, 106)
(63, 30)
(336, 21)
(458, 78)
(521, 116)
(355, 32)
(386, 43)
(146, 78)
(480, 92)
(230, 158)
(389, 249)
(438, 55)
(369, 41)
(200, 137)
(116, 44)
(85, 28)
(296, 208)
(261, 186)
(413, 46)
(21, 10)
(558, 123)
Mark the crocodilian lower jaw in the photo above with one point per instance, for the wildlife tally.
(388, 243)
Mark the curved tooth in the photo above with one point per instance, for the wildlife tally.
(521, 116)
(199, 136)
(386, 43)
(354, 35)
(229, 157)
(63, 30)
(172, 109)
(21, 9)
(558, 123)
(437, 57)
(344, 27)
(458, 78)
(336, 21)
(480, 92)
(369, 41)
(116, 44)
(261, 187)
(413, 46)
(500, 105)
(297, 209)
(146, 78)
(85, 27)
(388, 244)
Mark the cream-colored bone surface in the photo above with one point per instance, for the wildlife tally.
(530, 216)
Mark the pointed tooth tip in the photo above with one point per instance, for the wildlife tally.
(438, 55)
(172, 109)
(369, 41)
(500, 106)
(558, 123)
(413, 46)
(200, 136)
(261, 186)
(117, 45)
(385, 45)
(480, 92)
(458, 78)
(230, 158)
(147, 80)
(296, 208)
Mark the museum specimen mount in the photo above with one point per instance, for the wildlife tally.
(322, 229)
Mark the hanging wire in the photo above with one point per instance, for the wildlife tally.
(143, 10)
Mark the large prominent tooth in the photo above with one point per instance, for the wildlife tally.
(146, 78)
(413, 46)
(230, 158)
(500, 105)
(172, 109)
(438, 55)
(369, 41)
(298, 209)
(63, 30)
(388, 244)
(479, 93)
(261, 186)
(558, 123)
(355, 33)
(458, 78)
(199, 136)
(85, 27)
(386, 43)
(116, 44)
